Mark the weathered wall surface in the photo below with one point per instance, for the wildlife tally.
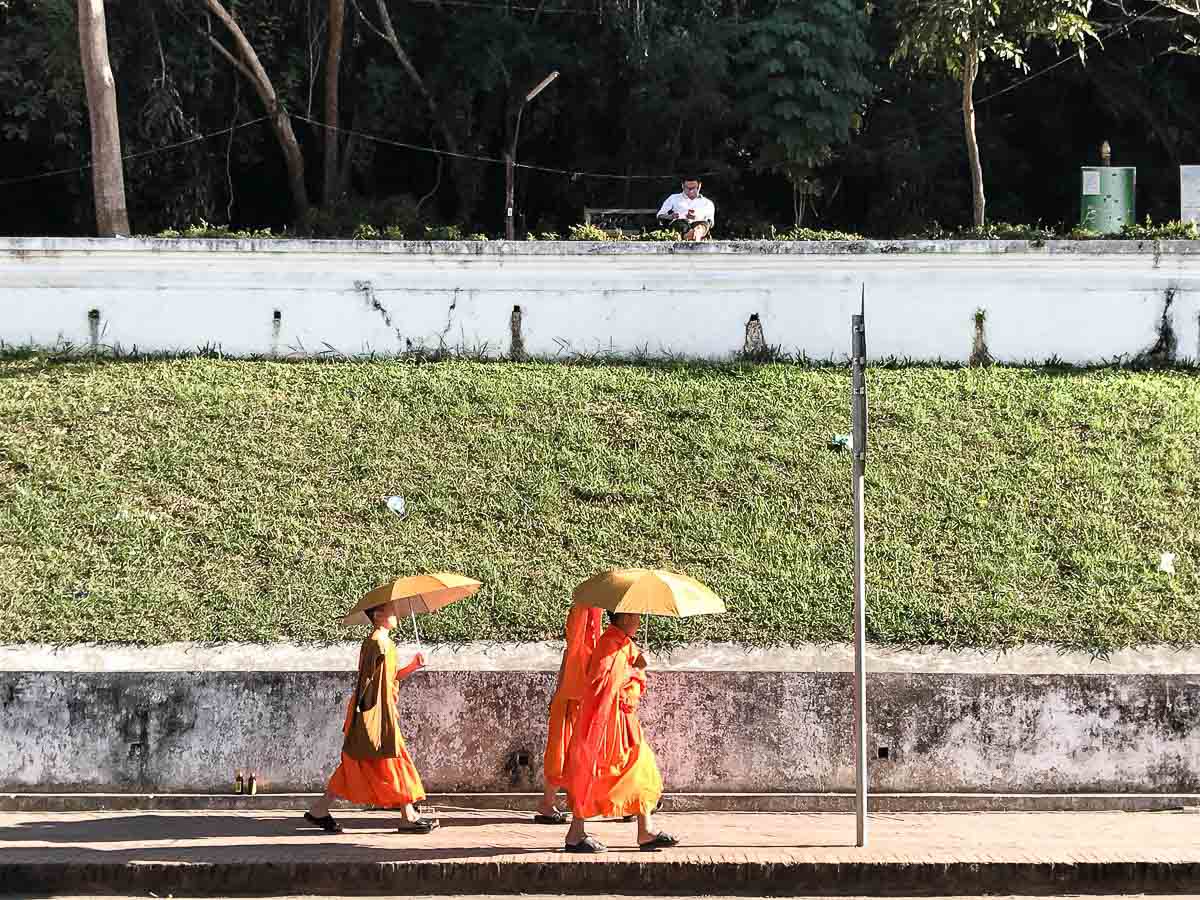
(1080, 302)
(714, 731)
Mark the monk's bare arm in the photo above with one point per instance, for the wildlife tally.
(417, 662)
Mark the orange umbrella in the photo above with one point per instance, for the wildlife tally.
(414, 594)
(652, 592)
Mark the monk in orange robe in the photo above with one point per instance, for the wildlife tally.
(611, 770)
(583, 633)
(370, 774)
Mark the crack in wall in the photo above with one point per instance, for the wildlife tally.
(449, 317)
(368, 291)
(1162, 351)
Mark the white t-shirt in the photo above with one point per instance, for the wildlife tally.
(680, 204)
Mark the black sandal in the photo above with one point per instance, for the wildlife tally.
(661, 840)
(325, 823)
(420, 826)
(588, 845)
(558, 817)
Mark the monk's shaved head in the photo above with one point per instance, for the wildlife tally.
(627, 622)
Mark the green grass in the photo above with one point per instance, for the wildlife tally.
(211, 500)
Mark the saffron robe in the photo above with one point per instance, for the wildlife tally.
(390, 782)
(583, 633)
(610, 769)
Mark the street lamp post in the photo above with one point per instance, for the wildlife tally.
(510, 158)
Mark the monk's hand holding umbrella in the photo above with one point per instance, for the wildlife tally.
(611, 769)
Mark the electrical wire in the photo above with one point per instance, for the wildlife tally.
(573, 174)
(141, 153)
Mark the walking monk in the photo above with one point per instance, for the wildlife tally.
(611, 770)
(376, 769)
(583, 633)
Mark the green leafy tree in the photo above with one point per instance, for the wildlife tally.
(1185, 15)
(959, 36)
(802, 84)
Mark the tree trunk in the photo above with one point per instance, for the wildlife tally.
(246, 61)
(108, 176)
(970, 70)
(333, 64)
(465, 172)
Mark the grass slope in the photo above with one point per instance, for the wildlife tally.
(217, 500)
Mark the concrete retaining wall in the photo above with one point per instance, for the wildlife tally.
(1080, 302)
(724, 731)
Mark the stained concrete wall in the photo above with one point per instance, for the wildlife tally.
(1080, 302)
(714, 731)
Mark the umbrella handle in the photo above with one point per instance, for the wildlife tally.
(413, 613)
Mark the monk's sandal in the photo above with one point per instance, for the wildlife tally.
(661, 840)
(325, 823)
(420, 826)
(588, 845)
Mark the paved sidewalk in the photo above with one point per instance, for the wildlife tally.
(227, 853)
(612, 897)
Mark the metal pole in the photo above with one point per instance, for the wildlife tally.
(858, 408)
(508, 195)
(510, 158)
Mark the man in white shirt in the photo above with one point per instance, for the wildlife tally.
(689, 212)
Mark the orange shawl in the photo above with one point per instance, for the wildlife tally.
(583, 634)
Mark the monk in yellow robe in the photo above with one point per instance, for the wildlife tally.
(376, 769)
(611, 770)
(583, 633)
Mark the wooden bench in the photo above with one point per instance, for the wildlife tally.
(589, 212)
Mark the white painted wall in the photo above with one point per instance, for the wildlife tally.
(1082, 302)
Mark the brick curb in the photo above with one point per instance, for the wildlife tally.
(660, 876)
(715, 802)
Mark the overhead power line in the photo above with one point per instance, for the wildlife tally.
(421, 148)
(573, 174)
(141, 153)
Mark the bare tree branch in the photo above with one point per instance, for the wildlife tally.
(246, 61)
(233, 61)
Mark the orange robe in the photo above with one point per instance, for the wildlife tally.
(583, 632)
(390, 782)
(611, 770)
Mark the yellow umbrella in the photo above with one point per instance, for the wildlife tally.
(654, 592)
(414, 594)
